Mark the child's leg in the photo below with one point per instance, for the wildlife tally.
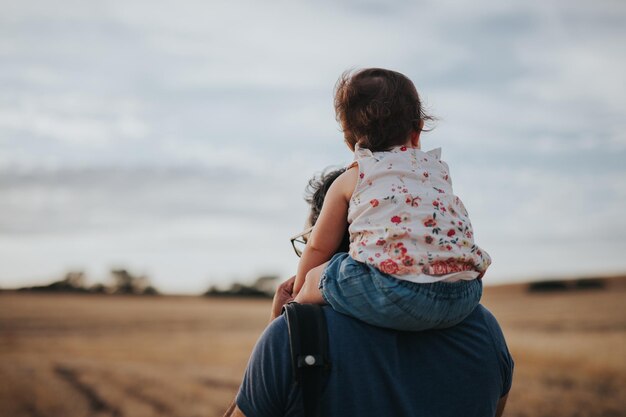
(365, 293)
(310, 292)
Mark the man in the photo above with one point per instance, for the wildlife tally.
(465, 370)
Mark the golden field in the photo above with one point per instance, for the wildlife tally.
(125, 356)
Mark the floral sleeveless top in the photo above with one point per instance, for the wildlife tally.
(406, 221)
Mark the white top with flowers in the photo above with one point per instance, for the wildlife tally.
(406, 221)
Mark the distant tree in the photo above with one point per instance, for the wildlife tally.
(126, 283)
(98, 288)
(589, 284)
(263, 287)
(75, 279)
(266, 284)
(547, 286)
(213, 291)
(150, 290)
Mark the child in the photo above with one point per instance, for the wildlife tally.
(412, 263)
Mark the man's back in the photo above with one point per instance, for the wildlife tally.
(463, 370)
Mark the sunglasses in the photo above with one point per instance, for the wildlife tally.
(299, 241)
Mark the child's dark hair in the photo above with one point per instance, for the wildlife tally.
(377, 108)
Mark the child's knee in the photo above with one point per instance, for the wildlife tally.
(311, 277)
(315, 274)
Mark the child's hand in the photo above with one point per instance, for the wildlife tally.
(282, 296)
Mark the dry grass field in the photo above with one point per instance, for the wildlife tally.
(90, 355)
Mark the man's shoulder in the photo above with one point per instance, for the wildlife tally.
(482, 313)
(480, 316)
(345, 329)
(485, 316)
(476, 331)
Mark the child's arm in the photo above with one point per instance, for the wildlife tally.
(329, 228)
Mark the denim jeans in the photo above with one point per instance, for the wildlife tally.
(363, 292)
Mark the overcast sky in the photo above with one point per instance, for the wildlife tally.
(176, 138)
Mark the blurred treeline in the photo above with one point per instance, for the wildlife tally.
(121, 282)
(124, 282)
(263, 287)
(567, 285)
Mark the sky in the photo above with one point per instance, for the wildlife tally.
(175, 139)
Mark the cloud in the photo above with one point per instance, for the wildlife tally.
(75, 200)
(128, 129)
(546, 206)
(186, 227)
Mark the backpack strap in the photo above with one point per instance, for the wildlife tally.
(308, 342)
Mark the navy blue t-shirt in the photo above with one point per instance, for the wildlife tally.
(460, 371)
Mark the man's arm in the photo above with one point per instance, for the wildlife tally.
(237, 413)
(281, 297)
(504, 357)
(230, 412)
(500, 408)
(266, 389)
(233, 411)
